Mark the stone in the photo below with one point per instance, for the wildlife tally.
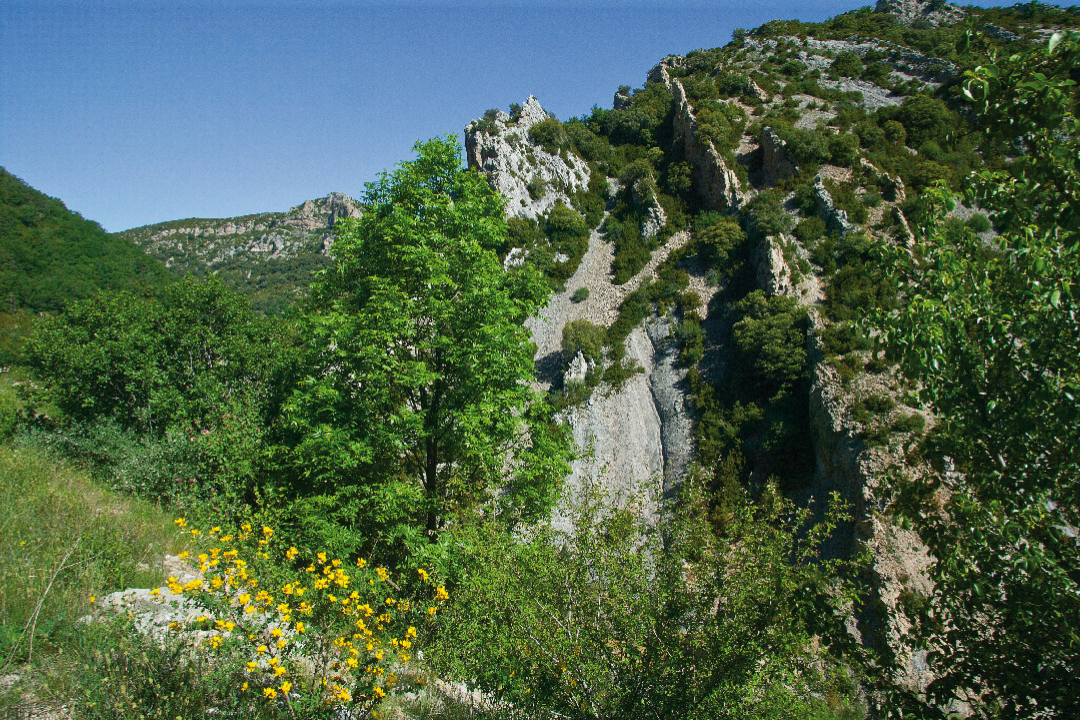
(917, 12)
(503, 151)
(776, 160)
(717, 185)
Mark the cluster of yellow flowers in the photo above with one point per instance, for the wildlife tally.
(322, 637)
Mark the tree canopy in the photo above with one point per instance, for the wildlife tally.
(990, 330)
(418, 395)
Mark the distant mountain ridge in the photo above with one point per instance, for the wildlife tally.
(269, 257)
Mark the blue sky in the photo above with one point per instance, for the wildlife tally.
(135, 112)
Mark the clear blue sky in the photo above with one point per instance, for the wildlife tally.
(139, 111)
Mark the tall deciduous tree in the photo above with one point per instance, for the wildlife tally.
(992, 332)
(419, 395)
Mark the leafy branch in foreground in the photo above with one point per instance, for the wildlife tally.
(992, 333)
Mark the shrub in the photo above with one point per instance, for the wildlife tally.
(662, 601)
(549, 135)
(809, 231)
(925, 118)
(766, 216)
(537, 187)
(979, 223)
(843, 149)
(580, 295)
(848, 64)
(313, 630)
(808, 147)
(568, 234)
(584, 337)
(770, 342)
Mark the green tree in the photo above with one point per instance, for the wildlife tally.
(418, 400)
(990, 331)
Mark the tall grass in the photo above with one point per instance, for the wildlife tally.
(63, 538)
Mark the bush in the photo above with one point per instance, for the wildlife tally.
(580, 295)
(584, 337)
(808, 147)
(568, 234)
(766, 216)
(809, 231)
(848, 64)
(979, 223)
(925, 118)
(658, 610)
(549, 135)
(770, 343)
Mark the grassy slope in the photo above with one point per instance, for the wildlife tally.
(64, 538)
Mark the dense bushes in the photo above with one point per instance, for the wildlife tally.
(658, 610)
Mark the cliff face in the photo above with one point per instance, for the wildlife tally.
(530, 177)
(210, 241)
(715, 183)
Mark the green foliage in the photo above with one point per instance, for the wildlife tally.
(50, 256)
(809, 231)
(925, 118)
(568, 234)
(990, 334)
(858, 284)
(720, 123)
(584, 337)
(979, 223)
(611, 620)
(765, 214)
(549, 134)
(848, 64)
(632, 251)
(770, 343)
(152, 364)
(416, 392)
(807, 147)
(580, 295)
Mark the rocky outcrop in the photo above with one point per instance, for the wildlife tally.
(776, 160)
(322, 213)
(530, 178)
(644, 195)
(667, 384)
(773, 273)
(859, 474)
(835, 218)
(305, 229)
(926, 13)
(716, 184)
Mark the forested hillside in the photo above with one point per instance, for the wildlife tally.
(52, 256)
(753, 396)
(270, 257)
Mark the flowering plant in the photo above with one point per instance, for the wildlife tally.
(315, 631)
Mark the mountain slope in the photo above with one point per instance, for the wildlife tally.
(50, 255)
(269, 257)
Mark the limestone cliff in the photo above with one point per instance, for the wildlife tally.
(530, 177)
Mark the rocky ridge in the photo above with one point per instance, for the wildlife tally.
(531, 178)
(268, 235)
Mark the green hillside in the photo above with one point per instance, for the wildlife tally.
(50, 256)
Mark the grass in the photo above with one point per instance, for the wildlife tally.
(64, 538)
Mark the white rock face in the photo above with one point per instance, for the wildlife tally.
(619, 436)
(501, 148)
